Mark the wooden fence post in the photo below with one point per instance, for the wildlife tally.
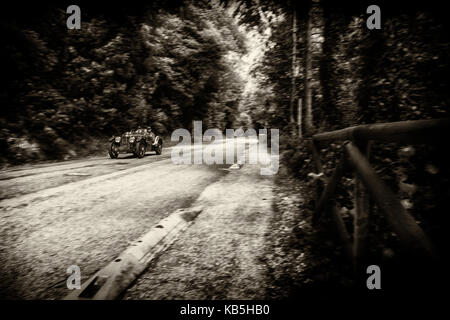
(411, 236)
(330, 188)
(361, 218)
(319, 169)
(342, 232)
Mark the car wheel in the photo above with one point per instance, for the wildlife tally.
(113, 152)
(158, 148)
(140, 149)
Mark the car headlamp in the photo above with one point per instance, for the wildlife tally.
(117, 139)
(132, 139)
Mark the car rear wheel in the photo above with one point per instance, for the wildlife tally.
(140, 149)
(113, 152)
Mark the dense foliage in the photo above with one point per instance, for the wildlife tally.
(146, 64)
(357, 76)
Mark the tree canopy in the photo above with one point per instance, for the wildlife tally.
(127, 65)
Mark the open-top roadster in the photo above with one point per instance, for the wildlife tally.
(137, 141)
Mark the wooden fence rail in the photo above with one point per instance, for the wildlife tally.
(412, 238)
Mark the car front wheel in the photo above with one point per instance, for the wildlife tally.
(158, 148)
(113, 152)
(140, 149)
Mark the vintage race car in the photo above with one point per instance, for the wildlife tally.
(137, 142)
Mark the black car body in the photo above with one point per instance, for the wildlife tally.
(137, 142)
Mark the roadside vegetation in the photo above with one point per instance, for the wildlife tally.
(324, 70)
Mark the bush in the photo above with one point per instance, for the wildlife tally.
(296, 156)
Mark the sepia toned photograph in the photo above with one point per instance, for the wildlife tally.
(223, 150)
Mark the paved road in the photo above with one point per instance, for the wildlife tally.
(220, 255)
(86, 212)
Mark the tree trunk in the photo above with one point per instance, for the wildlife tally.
(299, 117)
(308, 72)
(293, 75)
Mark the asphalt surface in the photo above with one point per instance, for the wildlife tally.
(220, 255)
(86, 212)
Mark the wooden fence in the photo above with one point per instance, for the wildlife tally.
(355, 157)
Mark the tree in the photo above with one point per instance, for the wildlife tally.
(294, 69)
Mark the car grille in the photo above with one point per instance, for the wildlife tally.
(125, 140)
